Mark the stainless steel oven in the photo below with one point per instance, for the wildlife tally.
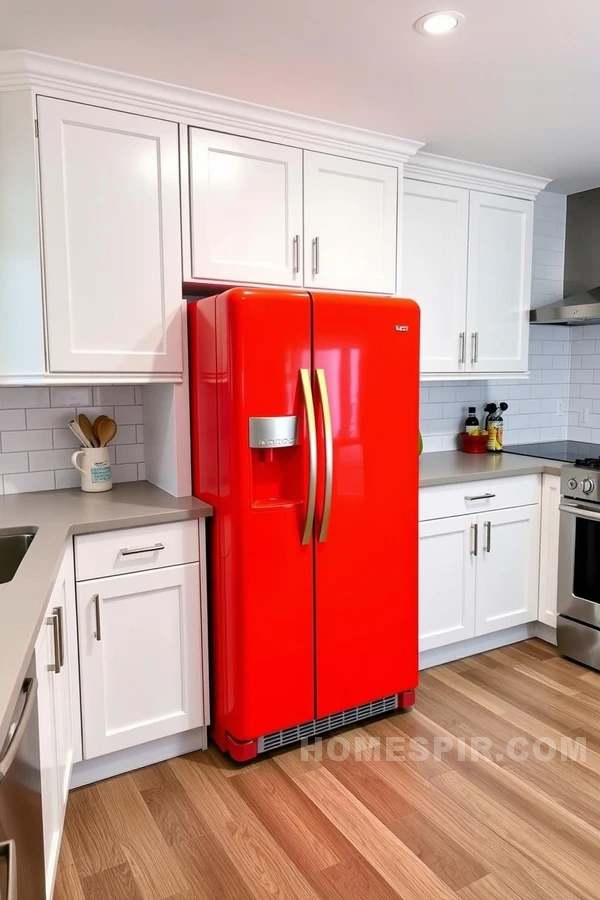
(578, 624)
(22, 874)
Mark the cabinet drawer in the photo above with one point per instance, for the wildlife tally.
(478, 496)
(136, 549)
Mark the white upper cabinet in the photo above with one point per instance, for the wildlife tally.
(266, 213)
(499, 288)
(111, 239)
(350, 224)
(434, 269)
(466, 260)
(245, 209)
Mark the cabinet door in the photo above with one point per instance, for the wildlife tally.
(446, 581)
(499, 282)
(58, 716)
(549, 531)
(435, 236)
(140, 657)
(48, 707)
(112, 245)
(350, 224)
(507, 568)
(246, 209)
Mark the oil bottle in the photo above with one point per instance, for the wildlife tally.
(495, 426)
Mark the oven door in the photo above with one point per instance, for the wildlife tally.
(579, 562)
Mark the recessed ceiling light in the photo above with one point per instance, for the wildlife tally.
(440, 22)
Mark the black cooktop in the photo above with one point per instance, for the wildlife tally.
(565, 451)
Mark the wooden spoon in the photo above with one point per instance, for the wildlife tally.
(96, 425)
(86, 427)
(106, 431)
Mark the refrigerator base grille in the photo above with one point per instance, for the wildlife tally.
(315, 727)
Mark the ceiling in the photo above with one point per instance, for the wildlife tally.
(516, 86)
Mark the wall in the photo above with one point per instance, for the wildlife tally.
(533, 403)
(36, 443)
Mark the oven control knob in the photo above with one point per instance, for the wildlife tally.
(572, 484)
(587, 485)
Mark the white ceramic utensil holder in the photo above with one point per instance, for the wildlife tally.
(93, 464)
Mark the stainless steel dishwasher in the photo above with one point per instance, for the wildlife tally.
(21, 829)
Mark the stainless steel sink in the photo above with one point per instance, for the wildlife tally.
(13, 548)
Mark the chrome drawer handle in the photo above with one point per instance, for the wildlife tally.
(475, 544)
(98, 631)
(481, 497)
(488, 542)
(29, 689)
(8, 851)
(126, 552)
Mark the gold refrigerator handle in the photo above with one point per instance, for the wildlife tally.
(312, 454)
(322, 383)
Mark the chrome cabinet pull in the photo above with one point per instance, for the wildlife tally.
(29, 689)
(56, 636)
(462, 347)
(474, 547)
(154, 548)
(322, 382)
(98, 632)
(58, 612)
(312, 454)
(488, 537)
(315, 256)
(481, 497)
(475, 347)
(296, 254)
(8, 850)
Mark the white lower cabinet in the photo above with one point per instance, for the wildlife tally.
(477, 573)
(58, 718)
(507, 568)
(548, 595)
(446, 581)
(140, 656)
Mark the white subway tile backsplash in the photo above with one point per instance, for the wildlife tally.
(49, 418)
(42, 460)
(114, 395)
(24, 397)
(25, 440)
(128, 453)
(36, 444)
(130, 415)
(70, 396)
(67, 478)
(31, 481)
(12, 419)
(13, 462)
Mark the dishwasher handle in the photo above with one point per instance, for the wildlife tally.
(8, 850)
(29, 689)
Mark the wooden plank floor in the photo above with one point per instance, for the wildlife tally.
(468, 825)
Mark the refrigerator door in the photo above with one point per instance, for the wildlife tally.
(262, 574)
(366, 358)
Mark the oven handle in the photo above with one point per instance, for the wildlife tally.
(30, 690)
(580, 512)
(8, 849)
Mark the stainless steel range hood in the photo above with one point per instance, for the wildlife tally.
(579, 309)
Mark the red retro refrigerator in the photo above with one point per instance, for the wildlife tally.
(304, 432)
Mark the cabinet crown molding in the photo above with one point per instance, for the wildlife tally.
(66, 79)
(459, 173)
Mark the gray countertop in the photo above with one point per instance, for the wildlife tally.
(452, 467)
(57, 515)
